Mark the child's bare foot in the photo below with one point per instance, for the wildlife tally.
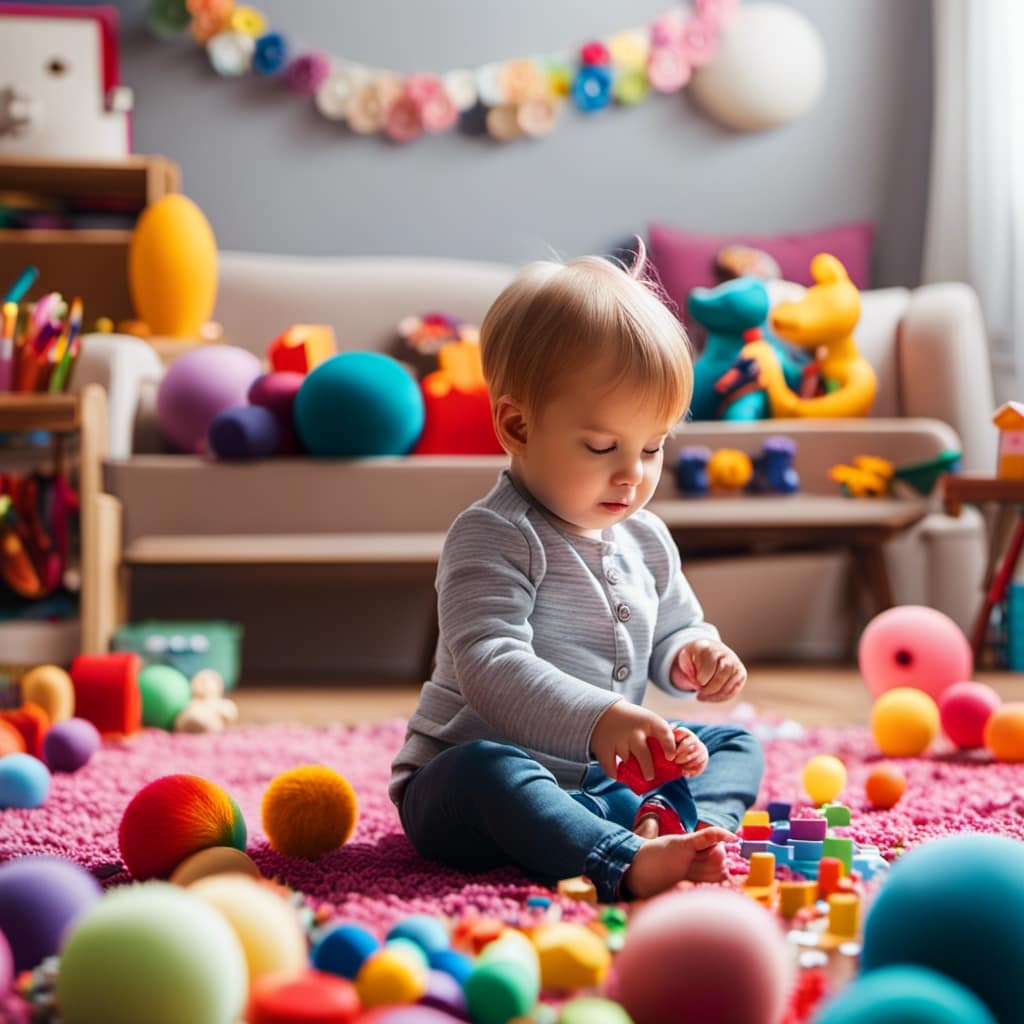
(661, 863)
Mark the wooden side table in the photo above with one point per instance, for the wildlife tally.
(1008, 496)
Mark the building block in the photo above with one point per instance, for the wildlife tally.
(302, 347)
(794, 896)
(782, 852)
(107, 691)
(843, 920)
(808, 828)
(836, 815)
(748, 847)
(830, 872)
(807, 849)
(756, 818)
(841, 848)
(780, 833)
(760, 882)
(756, 832)
(779, 810)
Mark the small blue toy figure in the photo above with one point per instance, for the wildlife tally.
(774, 472)
(692, 471)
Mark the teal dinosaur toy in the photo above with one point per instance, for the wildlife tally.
(725, 385)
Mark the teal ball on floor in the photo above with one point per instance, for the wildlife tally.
(904, 994)
(357, 404)
(956, 905)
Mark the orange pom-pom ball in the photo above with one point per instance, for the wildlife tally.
(172, 818)
(308, 811)
(1004, 732)
(884, 786)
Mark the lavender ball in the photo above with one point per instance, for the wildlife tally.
(69, 744)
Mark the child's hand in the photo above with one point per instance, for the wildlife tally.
(709, 667)
(691, 754)
(623, 730)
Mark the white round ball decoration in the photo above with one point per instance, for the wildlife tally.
(769, 69)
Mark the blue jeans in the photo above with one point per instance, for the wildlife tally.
(483, 805)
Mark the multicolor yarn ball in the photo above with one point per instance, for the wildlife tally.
(308, 811)
(173, 817)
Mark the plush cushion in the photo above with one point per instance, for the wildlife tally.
(685, 259)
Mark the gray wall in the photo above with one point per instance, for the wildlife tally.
(273, 175)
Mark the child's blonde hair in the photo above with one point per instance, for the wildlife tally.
(556, 316)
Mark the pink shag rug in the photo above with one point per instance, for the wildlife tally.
(377, 878)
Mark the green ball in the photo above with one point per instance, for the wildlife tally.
(153, 953)
(593, 1010)
(498, 991)
(905, 994)
(165, 694)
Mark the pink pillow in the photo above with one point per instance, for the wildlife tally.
(685, 260)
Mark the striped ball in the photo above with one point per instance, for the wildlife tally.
(172, 818)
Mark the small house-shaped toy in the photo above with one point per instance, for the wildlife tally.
(1009, 418)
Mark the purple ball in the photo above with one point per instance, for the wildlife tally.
(199, 385)
(39, 898)
(276, 392)
(69, 744)
(6, 965)
(444, 993)
(245, 432)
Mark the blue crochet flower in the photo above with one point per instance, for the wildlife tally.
(592, 89)
(270, 54)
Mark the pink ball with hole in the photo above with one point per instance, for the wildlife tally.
(197, 387)
(708, 955)
(914, 646)
(964, 710)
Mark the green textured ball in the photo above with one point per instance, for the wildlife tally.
(165, 694)
(153, 953)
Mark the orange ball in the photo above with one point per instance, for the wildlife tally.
(884, 786)
(11, 741)
(1004, 732)
(308, 811)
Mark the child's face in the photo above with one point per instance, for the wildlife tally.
(592, 459)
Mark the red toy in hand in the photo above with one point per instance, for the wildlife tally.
(629, 773)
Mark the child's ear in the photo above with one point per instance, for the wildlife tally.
(510, 424)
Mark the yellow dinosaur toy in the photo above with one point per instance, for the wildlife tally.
(822, 320)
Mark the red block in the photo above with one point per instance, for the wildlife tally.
(107, 691)
(756, 832)
(629, 773)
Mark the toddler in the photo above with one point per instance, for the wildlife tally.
(559, 598)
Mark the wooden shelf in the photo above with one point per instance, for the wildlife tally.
(91, 262)
(57, 413)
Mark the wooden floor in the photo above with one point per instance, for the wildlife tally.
(825, 695)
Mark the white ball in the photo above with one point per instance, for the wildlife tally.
(769, 69)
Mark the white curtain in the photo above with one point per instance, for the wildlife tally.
(975, 225)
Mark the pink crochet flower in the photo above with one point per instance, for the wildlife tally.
(404, 122)
(665, 31)
(699, 42)
(307, 73)
(667, 69)
(719, 12)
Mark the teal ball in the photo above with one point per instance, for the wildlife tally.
(955, 905)
(24, 781)
(427, 932)
(904, 994)
(357, 404)
(342, 949)
(153, 953)
(165, 694)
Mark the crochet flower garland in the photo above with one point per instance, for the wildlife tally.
(519, 98)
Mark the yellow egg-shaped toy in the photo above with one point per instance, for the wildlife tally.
(824, 777)
(268, 928)
(50, 687)
(172, 267)
(904, 721)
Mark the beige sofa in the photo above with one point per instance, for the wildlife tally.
(329, 564)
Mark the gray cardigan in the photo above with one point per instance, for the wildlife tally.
(542, 630)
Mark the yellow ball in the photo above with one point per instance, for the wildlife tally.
(730, 469)
(308, 811)
(824, 778)
(172, 267)
(904, 721)
(268, 928)
(390, 976)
